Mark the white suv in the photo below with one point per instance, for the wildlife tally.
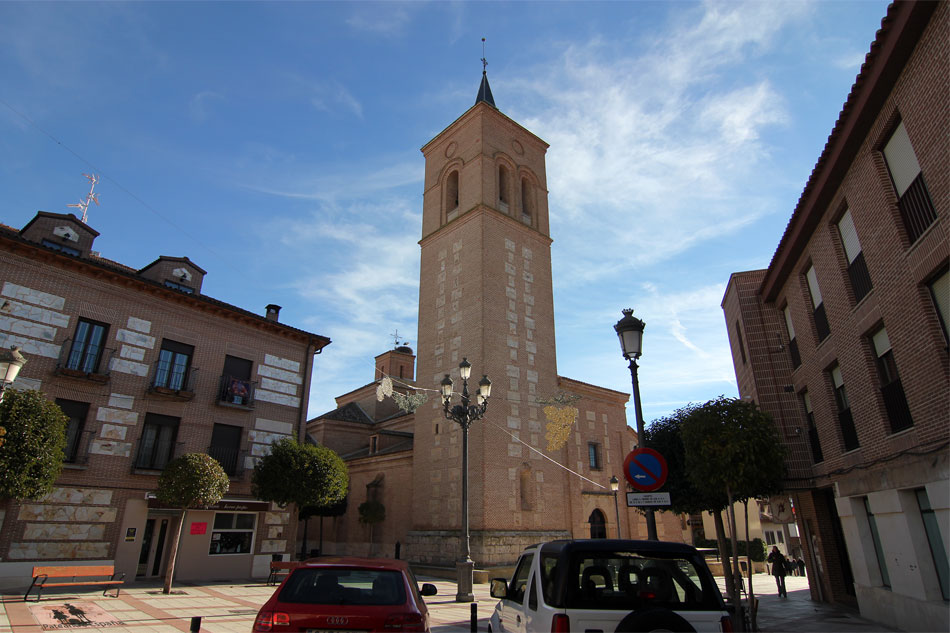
(608, 586)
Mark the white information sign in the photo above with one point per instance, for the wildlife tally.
(635, 499)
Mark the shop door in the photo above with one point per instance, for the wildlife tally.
(151, 560)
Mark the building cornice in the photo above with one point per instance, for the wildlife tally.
(899, 34)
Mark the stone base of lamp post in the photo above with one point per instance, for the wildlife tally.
(466, 572)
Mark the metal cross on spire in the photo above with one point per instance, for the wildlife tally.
(90, 197)
(484, 61)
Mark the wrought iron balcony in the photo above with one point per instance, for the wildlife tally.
(896, 404)
(860, 277)
(155, 455)
(230, 458)
(77, 453)
(84, 361)
(848, 433)
(172, 381)
(917, 208)
(237, 392)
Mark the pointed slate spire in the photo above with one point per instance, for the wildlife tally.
(484, 90)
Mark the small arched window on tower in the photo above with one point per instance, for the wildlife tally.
(452, 196)
(527, 202)
(503, 184)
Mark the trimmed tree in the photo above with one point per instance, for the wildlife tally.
(302, 474)
(195, 480)
(31, 457)
(733, 448)
(334, 510)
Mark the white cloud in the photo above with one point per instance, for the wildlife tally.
(200, 103)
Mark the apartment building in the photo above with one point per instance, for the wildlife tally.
(147, 368)
(844, 337)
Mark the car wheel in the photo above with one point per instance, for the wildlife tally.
(654, 620)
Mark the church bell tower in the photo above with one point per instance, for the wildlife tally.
(485, 294)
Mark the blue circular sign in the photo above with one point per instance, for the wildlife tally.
(645, 469)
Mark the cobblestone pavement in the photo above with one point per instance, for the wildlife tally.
(231, 607)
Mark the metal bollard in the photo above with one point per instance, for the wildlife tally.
(474, 608)
(195, 624)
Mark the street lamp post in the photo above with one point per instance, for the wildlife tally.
(464, 414)
(11, 361)
(614, 487)
(630, 331)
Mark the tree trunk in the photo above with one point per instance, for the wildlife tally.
(736, 573)
(726, 568)
(748, 555)
(303, 548)
(173, 553)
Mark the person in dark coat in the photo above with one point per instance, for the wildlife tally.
(778, 563)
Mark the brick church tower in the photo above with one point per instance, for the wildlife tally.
(486, 295)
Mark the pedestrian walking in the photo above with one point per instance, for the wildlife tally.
(778, 570)
(801, 567)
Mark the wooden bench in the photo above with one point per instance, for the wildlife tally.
(79, 575)
(279, 568)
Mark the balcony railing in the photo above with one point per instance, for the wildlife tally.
(169, 380)
(896, 404)
(236, 391)
(793, 352)
(84, 361)
(230, 458)
(78, 453)
(917, 208)
(860, 277)
(155, 455)
(816, 454)
(821, 323)
(848, 433)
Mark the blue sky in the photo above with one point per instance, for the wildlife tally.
(277, 146)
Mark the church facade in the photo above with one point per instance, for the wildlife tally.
(541, 459)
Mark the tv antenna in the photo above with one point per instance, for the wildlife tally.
(90, 197)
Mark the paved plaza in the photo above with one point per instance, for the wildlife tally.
(231, 607)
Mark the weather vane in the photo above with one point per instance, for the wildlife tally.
(484, 61)
(90, 197)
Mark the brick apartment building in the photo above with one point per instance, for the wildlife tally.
(147, 368)
(843, 338)
(485, 295)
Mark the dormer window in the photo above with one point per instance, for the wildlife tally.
(62, 248)
(174, 285)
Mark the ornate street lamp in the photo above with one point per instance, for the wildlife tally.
(630, 331)
(464, 414)
(11, 361)
(614, 487)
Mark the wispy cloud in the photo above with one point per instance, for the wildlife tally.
(381, 18)
(200, 104)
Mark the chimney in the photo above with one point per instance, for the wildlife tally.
(272, 311)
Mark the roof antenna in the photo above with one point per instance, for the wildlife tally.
(90, 197)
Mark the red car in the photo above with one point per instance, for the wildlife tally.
(347, 593)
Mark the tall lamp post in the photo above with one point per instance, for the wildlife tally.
(11, 361)
(464, 414)
(630, 331)
(614, 487)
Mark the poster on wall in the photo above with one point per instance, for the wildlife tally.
(199, 527)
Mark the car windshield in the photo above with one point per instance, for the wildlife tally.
(334, 585)
(629, 580)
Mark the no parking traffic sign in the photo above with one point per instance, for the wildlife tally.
(645, 469)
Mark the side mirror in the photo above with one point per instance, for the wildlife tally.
(428, 589)
(499, 588)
